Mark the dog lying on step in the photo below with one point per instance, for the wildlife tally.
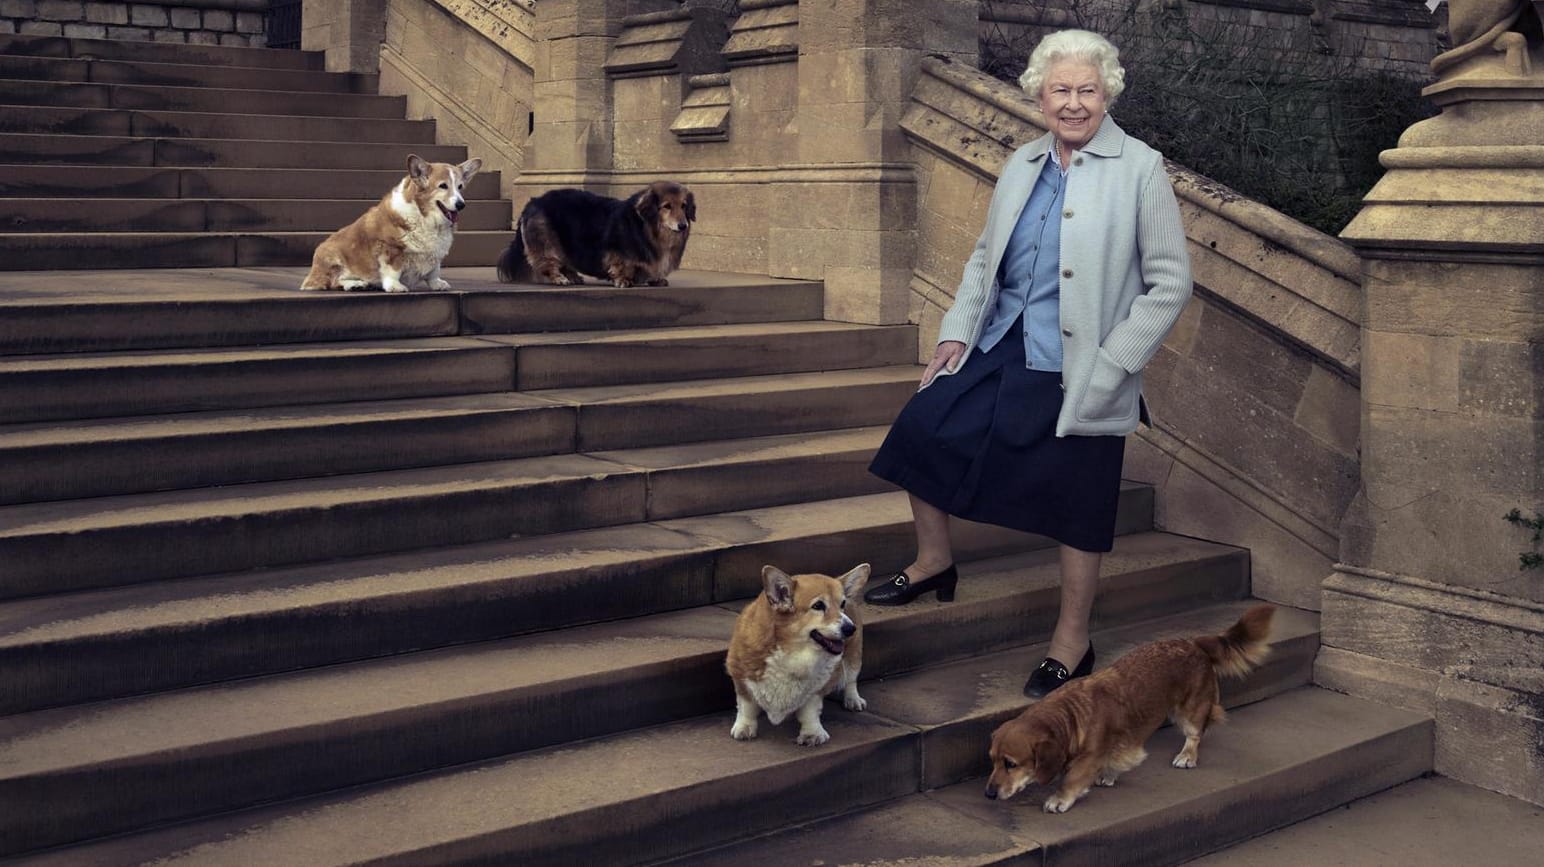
(1092, 729)
(565, 233)
(403, 238)
(792, 645)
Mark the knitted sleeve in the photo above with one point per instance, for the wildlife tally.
(1165, 267)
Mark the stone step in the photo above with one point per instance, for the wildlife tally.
(29, 181)
(213, 215)
(42, 462)
(535, 789)
(587, 358)
(125, 122)
(151, 73)
(692, 298)
(113, 541)
(201, 99)
(1273, 763)
(94, 311)
(26, 148)
(159, 52)
(106, 385)
(47, 251)
(110, 643)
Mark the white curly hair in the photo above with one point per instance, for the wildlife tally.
(1079, 45)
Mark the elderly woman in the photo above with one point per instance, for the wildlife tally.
(1022, 413)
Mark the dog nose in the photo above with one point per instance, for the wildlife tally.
(848, 629)
(991, 792)
(460, 204)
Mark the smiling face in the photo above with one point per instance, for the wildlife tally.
(1073, 102)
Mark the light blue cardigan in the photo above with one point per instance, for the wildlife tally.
(1125, 275)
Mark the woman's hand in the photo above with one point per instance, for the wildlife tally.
(948, 353)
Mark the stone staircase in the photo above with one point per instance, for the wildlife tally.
(439, 578)
(151, 155)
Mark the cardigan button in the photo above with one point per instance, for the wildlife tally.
(1067, 214)
(1078, 161)
(1066, 333)
(1067, 273)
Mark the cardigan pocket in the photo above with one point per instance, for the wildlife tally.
(1112, 392)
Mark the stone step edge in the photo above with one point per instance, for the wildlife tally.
(835, 719)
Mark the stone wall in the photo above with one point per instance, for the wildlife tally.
(467, 65)
(202, 22)
(1254, 396)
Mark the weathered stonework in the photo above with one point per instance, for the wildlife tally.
(208, 22)
(1427, 606)
(466, 65)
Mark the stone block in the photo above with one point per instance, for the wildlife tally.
(40, 28)
(186, 19)
(219, 20)
(146, 15)
(1491, 737)
(1283, 567)
(203, 37)
(169, 36)
(1375, 678)
(7, 25)
(1417, 371)
(1331, 409)
(26, 8)
(85, 31)
(235, 39)
(1257, 360)
(868, 295)
(1490, 302)
(106, 13)
(128, 34)
(1501, 378)
(249, 22)
(61, 10)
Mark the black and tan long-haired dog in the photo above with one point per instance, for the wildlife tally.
(1093, 729)
(565, 233)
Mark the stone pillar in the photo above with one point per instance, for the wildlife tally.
(850, 217)
(1428, 607)
(349, 31)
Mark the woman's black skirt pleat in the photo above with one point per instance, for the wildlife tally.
(981, 444)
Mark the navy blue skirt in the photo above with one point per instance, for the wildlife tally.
(981, 444)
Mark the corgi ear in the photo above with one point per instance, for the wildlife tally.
(1050, 759)
(778, 587)
(648, 205)
(853, 581)
(417, 167)
(691, 207)
(469, 168)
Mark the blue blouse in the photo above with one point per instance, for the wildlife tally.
(1028, 277)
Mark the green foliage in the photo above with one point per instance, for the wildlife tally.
(1283, 123)
(1529, 559)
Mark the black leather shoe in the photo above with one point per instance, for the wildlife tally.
(1052, 674)
(900, 589)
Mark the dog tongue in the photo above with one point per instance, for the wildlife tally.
(450, 215)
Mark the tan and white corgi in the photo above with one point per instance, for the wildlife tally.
(794, 644)
(403, 238)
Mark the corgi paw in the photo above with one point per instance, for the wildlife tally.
(559, 280)
(1059, 803)
(1184, 761)
(438, 285)
(742, 730)
(812, 738)
(854, 702)
(1105, 778)
(393, 286)
(352, 285)
(621, 284)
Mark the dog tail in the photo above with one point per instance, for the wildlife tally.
(513, 268)
(1244, 646)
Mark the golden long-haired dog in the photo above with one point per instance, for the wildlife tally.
(1093, 729)
(565, 233)
(793, 644)
(401, 240)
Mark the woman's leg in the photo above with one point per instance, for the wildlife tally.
(1080, 579)
(935, 552)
